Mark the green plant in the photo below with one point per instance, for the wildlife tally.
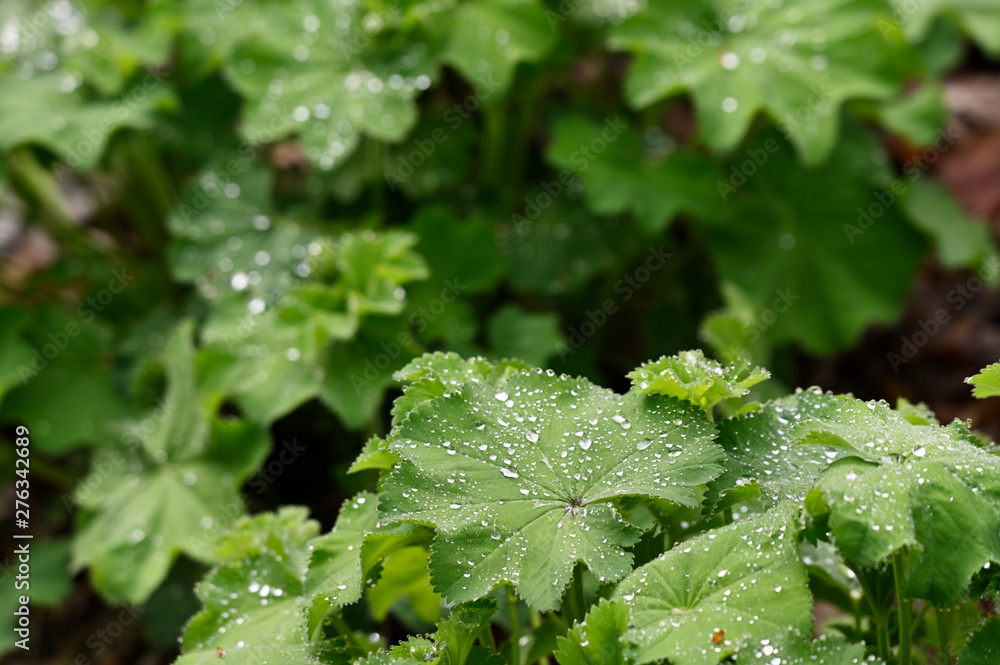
(237, 221)
(630, 528)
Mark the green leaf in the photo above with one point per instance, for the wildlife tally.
(514, 333)
(917, 117)
(984, 645)
(335, 567)
(404, 576)
(488, 38)
(51, 111)
(559, 247)
(456, 635)
(986, 383)
(807, 246)
(462, 252)
(62, 387)
(253, 603)
(331, 74)
(172, 490)
(977, 18)
(961, 241)
(744, 580)
(347, 560)
(356, 374)
(656, 184)
(597, 640)
(903, 486)
(798, 650)
(517, 480)
(798, 65)
(762, 456)
(375, 455)
(15, 354)
(702, 381)
(433, 374)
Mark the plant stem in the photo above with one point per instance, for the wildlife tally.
(338, 622)
(492, 157)
(515, 627)
(487, 638)
(943, 616)
(536, 623)
(903, 606)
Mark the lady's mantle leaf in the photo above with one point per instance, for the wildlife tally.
(718, 593)
(343, 561)
(798, 64)
(433, 374)
(987, 382)
(798, 650)
(763, 458)
(517, 479)
(596, 640)
(253, 603)
(170, 497)
(984, 645)
(690, 375)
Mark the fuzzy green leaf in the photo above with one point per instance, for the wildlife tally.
(984, 645)
(702, 381)
(518, 479)
(176, 495)
(253, 602)
(654, 186)
(743, 580)
(597, 640)
(799, 650)
(986, 383)
(977, 18)
(740, 58)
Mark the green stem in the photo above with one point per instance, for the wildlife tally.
(536, 623)
(376, 154)
(492, 157)
(944, 634)
(338, 622)
(903, 606)
(515, 628)
(487, 639)
(36, 185)
(529, 115)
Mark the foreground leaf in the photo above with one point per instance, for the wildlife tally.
(518, 480)
(719, 593)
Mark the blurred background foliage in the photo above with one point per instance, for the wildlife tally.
(225, 223)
